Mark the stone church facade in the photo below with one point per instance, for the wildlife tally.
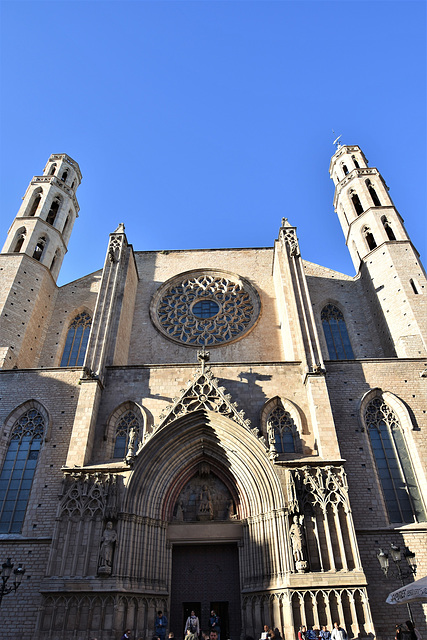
(236, 429)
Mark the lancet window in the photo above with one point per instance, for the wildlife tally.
(373, 194)
(281, 430)
(19, 240)
(356, 164)
(38, 251)
(35, 203)
(18, 470)
(393, 461)
(53, 211)
(336, 334)
(370, 240)
(127, 433)
(76, 342)
(356, 203)
(389, 231)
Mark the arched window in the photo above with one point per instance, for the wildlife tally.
(18, 470)
(64, 176)
(281, 430)
(356, 164)
(344, 168)
(336, 334)
(373, 194)
(369, 238)
(19, 241)
(73, 183)
(127, 423)
(53, 211)
(393, 461)
(38, 251)
(76, 342)
(356, 203)
(52, 170)
(389, 231)
(35, 204)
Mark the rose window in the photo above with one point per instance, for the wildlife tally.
(209, 307)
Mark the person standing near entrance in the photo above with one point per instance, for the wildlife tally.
(160, 624)
(338, 633)
(192, 624)
(214, 624)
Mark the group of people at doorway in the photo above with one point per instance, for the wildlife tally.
(192, 627)
(314, 633)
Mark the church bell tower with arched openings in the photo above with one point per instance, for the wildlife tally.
(32, 257)
(395, 284)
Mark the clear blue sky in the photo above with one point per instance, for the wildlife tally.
(201, 124)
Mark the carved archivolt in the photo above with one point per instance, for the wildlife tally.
(205, 308)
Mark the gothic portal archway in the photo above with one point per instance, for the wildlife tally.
(204, 495)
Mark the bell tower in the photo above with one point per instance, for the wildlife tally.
(43, 225)
(393, 277)
(31, 259)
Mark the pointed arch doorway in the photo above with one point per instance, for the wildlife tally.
(206, 577)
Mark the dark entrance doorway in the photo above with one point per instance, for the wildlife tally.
(206, 577)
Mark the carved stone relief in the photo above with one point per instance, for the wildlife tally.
(205, 497)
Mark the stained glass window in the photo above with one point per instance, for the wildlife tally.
(76, 342)
(394, 466)
(336, 334)
(18, 470)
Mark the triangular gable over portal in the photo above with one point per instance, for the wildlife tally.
(204, 393)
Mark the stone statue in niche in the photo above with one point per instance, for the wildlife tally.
(298, 544)
(179, 515)
(106, 551)
(230, 509)
(133, 438)
(205, 504)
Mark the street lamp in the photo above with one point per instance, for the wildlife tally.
(5, 574)
(396, 555)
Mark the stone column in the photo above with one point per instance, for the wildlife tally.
(287, 613)
(339, 536)
(355, 623)
(328, 540)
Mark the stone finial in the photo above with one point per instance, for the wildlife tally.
(120, 228)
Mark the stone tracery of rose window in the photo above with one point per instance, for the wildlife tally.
(205, 308)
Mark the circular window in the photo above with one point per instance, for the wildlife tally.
(205, 308)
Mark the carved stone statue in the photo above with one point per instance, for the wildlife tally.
(133, 436)
(297, 541)
(205, 504)
(180, 511)
(106, 551)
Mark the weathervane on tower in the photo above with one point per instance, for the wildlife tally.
(337, 140)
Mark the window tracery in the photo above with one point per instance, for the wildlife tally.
(206, 308)
(281, 430)
(394, 467)
(127, 427)
(76, 342)
(336, 334)
(17, 475)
